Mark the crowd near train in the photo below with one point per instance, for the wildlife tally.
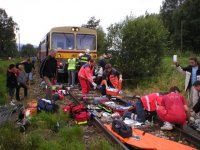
(69, 55)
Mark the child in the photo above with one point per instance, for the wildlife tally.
(11, 81)
(21, 79)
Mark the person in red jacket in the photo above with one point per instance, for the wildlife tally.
(172, 109)
(85, 77)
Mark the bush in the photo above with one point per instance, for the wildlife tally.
(143, 41)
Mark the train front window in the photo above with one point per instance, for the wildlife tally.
(85, 41)
(63, 40)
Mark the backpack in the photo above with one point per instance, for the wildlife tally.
(121, 128)
(78, 112)
(46, 105)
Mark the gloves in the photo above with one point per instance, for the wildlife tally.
(94, 85)
(94, 77)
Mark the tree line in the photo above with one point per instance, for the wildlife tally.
(8, 44)
(137, 43)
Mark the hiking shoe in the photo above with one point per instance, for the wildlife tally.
(167, 126)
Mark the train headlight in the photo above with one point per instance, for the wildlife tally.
(77, 29)
(59, 55)
(73, 29)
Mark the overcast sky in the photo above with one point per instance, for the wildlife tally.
(36, 17)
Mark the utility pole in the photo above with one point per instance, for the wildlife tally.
(17, 32)
(19, 44)
(181, 35)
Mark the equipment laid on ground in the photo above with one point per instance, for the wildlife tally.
(148, 141)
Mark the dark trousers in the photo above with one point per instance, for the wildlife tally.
(18, 90)
(196, 107)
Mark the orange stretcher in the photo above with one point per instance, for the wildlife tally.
(148, 141)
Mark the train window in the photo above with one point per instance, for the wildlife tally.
(63, 40)
(85, 41)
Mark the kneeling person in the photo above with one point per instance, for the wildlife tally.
(111, 78)
(172, 109)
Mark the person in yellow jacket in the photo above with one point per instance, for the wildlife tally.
(71, 71)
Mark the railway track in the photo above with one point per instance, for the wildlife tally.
(186, 135)
(97, 123)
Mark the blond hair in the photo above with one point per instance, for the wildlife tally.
(21, 67)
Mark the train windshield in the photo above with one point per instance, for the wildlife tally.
(85, 41)
(63, 40)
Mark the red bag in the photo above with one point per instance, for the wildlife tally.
(81, 116)
(68, 108)
(78, 108)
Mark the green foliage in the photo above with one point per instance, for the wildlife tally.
(101, 144)
(101, 41)
(28, 50)
(92, 23)
(141, 44)
(10, 138)
(7, 35)
(181, 17)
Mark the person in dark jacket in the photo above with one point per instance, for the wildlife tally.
(11, 81)
(83, 59)
(192, 73)
(111, 79)
(28, 67)
(102, 62)
(48, 68)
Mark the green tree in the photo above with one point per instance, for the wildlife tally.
(7, 35)
(181, 17)
(92, 23)
(140, 45)
(28, 50)
(101, 40)
(187, 25)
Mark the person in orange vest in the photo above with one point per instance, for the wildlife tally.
(85, 77)
(111, 78)
(173, 109)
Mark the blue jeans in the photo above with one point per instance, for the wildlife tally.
(71, 77)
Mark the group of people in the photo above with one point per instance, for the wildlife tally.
(171, 107)
(89, 73)
(19, 76)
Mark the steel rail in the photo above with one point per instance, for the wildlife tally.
(98, 124)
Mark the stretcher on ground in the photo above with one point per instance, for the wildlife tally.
(148, 141)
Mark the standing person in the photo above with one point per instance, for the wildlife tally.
(83, 59)
(21, 82)
(98, 73)
(71, 71)
(28, 67)
(192, 73)
(111, 78)
(172, 109)
(11, 82)
(48, 68)
(196, 97)
(85, 77)
(102, 62)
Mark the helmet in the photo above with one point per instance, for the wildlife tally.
(80, 54)
(87, 51)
